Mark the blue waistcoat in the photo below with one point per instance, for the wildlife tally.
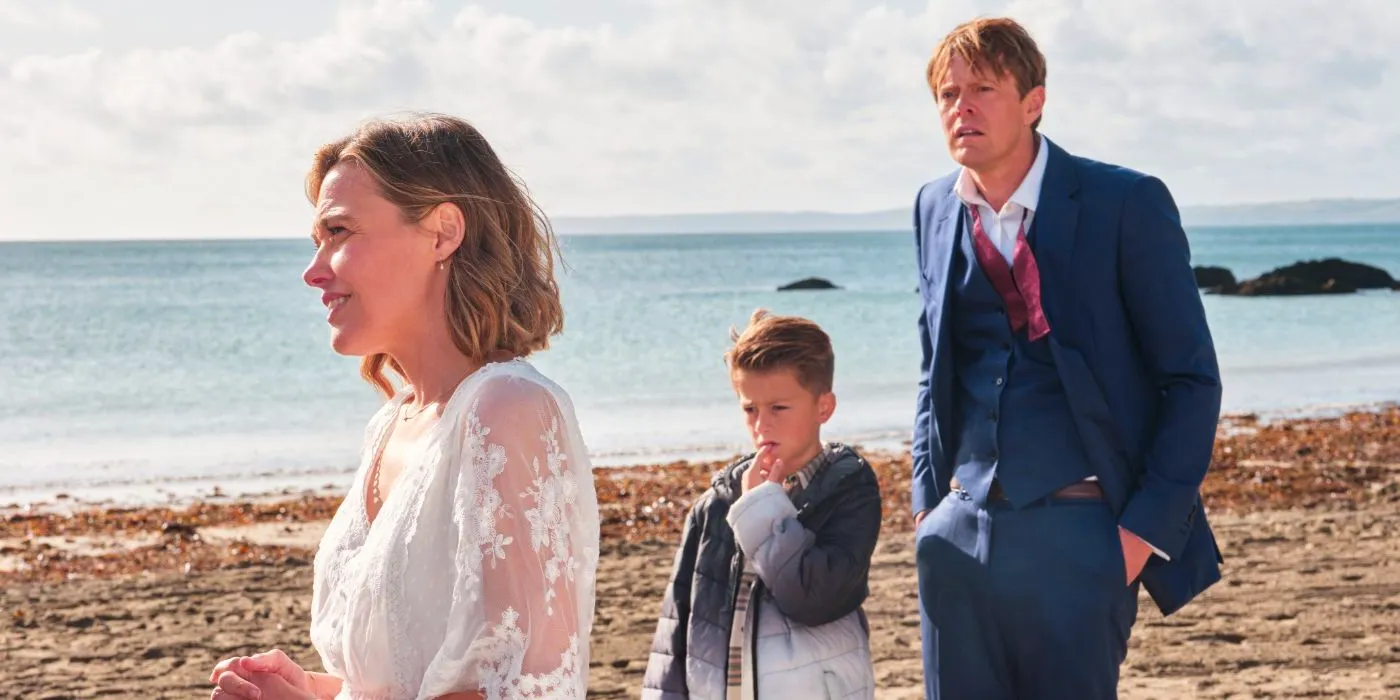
(1013, 418)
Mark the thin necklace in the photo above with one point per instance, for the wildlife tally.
(405, 415)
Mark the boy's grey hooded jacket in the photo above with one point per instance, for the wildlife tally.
(812, 556)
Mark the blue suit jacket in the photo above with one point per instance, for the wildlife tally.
(1131, 345)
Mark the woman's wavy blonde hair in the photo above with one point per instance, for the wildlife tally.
(501, 291)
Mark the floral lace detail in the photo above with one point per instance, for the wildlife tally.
(488, 461)
(504, 653)
(506, 466)
(554, 497)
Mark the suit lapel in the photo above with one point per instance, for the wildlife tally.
(938, 263)
(1053, 232)
(941, 231)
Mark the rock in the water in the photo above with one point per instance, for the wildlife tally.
(809, 283)
(1283, 285)
(1329, 276)
(1215, 279)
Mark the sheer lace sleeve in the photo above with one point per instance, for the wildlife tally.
(528, 522)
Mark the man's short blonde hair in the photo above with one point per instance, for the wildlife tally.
(994, 46)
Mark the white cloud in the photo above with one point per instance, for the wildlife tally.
(31, 15)
(699, 105)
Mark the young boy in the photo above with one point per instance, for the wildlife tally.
(765, 599)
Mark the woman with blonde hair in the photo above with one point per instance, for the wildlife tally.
(461, 564)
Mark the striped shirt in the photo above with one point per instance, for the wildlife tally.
(738, 668)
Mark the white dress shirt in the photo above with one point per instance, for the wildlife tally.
(1001, 226)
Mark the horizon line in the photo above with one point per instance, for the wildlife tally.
(596, 234)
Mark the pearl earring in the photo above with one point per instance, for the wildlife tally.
(442, 264)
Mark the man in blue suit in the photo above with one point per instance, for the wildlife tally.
(1068, 399)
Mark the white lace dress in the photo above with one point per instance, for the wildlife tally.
(478, 571)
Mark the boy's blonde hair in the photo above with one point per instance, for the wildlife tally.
(784, 342)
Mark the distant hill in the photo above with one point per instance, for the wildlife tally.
(737, 222)
(1315, 212)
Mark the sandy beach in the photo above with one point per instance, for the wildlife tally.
(142, 602)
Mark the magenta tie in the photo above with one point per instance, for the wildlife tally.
(1018, 284)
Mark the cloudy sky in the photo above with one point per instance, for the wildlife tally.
(170, 118)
